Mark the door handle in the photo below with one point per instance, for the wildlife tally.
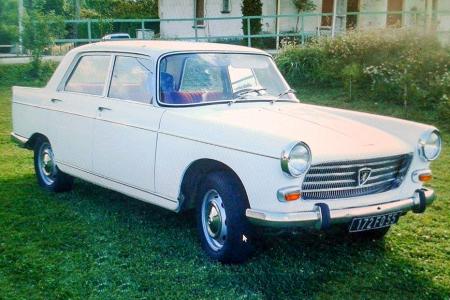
(54, 100)
(102, 108)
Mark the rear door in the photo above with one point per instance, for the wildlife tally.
(74, 108)
(126, 127)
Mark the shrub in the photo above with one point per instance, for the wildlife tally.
(405, 67)
(25, 75)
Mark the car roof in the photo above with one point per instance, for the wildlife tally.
(156, 48)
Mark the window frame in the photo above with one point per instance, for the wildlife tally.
(73, 67)
(226, 10)
(112, 54)
(157, 72)
(109, 81)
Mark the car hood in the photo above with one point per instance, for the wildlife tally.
(265, 129)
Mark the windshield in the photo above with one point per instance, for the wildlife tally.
(212, 77)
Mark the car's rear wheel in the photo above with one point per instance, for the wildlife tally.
(225, 233)
(48, 175)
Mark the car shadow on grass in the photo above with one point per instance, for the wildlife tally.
(121, 238)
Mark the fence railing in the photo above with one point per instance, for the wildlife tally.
(299, 27)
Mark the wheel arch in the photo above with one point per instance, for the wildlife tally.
(33, 139)
(193, 176)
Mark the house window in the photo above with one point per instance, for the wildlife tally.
(327, 8)
(200, 12)
(225, 7)
(395, 18)
(352, 20)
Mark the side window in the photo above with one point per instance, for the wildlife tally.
(90, 75)
(131, 79)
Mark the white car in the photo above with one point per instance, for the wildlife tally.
(116, 36)
(217, 128)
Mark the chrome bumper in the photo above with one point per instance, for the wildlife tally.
(321, 217)
(19, 140)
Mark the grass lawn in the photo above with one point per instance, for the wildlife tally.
(95, 243)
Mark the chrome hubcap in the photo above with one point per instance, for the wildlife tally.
(214, 220)
(46, 163)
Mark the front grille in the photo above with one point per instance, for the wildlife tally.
(335, 180)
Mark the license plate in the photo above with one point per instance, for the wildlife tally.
(374, 222)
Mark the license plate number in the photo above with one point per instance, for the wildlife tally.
(374, 222)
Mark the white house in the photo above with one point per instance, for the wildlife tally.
(374, 14)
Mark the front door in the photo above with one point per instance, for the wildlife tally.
(126, 127)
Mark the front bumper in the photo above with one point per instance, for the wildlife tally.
(322, 217)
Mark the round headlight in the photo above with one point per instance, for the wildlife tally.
(430, 145)
(296, 159)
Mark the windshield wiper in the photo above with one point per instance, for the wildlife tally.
(240, 93)
(288, 91)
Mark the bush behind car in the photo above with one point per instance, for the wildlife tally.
(407, 67)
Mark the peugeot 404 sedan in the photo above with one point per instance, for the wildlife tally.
(216, 128)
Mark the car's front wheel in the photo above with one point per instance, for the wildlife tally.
(225, 233)
(48, 175)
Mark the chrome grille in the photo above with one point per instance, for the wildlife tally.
(335, 180)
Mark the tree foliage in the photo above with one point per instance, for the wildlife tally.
(252, 8)
(40, 31)
(304, 5)
(9, 23)
(121, 9)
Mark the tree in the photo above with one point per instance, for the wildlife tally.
(123, 9)
(252, 8)
(8, 25)
(40, 32)
(303, 6)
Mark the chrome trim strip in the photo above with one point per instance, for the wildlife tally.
(347, 188)
(331, 181)
(345, 166)
(18, 139)
(218, 145)
(51, 109)
(385, 174)
(332, 174)
(116, 181)
(166, 133)
(312, 218)
(88, 117)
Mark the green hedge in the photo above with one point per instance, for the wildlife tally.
(26, 74)
(405, 67)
